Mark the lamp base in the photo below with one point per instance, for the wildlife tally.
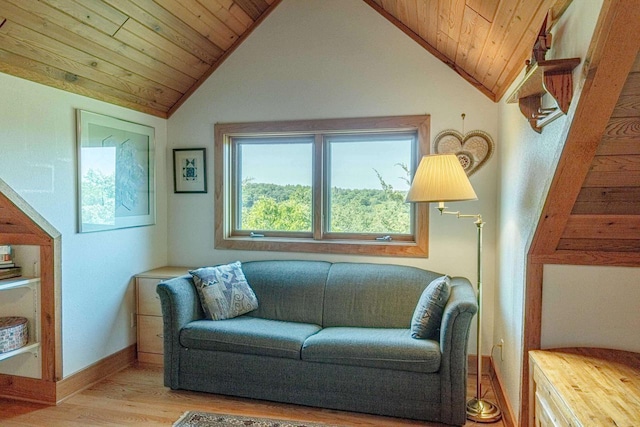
(482, 411)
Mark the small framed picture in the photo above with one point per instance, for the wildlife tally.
(189, 170)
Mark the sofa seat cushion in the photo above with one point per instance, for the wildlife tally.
(248, 335)
(373, 347)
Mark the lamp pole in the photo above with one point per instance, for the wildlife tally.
(478, 409)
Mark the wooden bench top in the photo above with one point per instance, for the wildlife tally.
(601, 387)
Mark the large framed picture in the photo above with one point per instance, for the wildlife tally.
(116, 173)
(189, 170)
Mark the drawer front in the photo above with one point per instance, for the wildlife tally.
(545, 416)
(550, 410)
(150, 338)
(148, 299)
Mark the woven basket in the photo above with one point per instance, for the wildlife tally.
(13, 333)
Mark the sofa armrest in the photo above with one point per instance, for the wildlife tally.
(454, 338)
(180, 305)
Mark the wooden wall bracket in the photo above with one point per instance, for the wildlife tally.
(553, 77)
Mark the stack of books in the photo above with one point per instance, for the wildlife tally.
(8, 268)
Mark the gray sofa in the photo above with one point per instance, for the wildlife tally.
(332, 335)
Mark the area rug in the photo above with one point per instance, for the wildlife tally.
(206, 419)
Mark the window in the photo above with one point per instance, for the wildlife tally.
(272, 181)
(332, 186)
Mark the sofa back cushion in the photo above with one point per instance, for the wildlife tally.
(373, 295)
(292, 291)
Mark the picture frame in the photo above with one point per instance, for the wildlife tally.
(115, 173)
(189, 170)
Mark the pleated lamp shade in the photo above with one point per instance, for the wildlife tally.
(440, 178)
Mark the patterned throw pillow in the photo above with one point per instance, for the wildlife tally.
(224, 291)
(428, 313)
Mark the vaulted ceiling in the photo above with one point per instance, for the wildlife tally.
(151, 55)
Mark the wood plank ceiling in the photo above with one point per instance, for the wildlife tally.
(142, 54)
(151, 55)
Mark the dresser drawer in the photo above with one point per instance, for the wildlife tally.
(548, 404)
(150, 338)
(547, 413)
(542, 413)
(148, 299)
(149, 310)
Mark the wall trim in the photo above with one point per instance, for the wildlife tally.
(53, 393)
(27, 389)
(94, 373)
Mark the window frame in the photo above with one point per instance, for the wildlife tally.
(327, 234)
(321, 241)
(235, 194)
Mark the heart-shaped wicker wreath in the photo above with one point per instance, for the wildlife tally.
(472, 149)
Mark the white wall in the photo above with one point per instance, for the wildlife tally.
(588, 306)
(38, 160)
(527, 164)
(314, 59)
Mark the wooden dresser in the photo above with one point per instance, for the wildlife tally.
(149, 313)
(584, 387)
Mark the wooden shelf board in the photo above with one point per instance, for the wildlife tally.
(29, 348)
(18, 282)
(164, 272)
(532, 82)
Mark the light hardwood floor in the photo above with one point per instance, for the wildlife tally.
(136, 397)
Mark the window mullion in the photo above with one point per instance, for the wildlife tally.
(236, 186)
(318, 187)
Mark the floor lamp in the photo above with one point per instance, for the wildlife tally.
(441, 178)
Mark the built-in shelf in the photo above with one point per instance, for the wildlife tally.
(22, 225)
(31, 347)
(18, 282)
(553, 77)
(31, 283)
